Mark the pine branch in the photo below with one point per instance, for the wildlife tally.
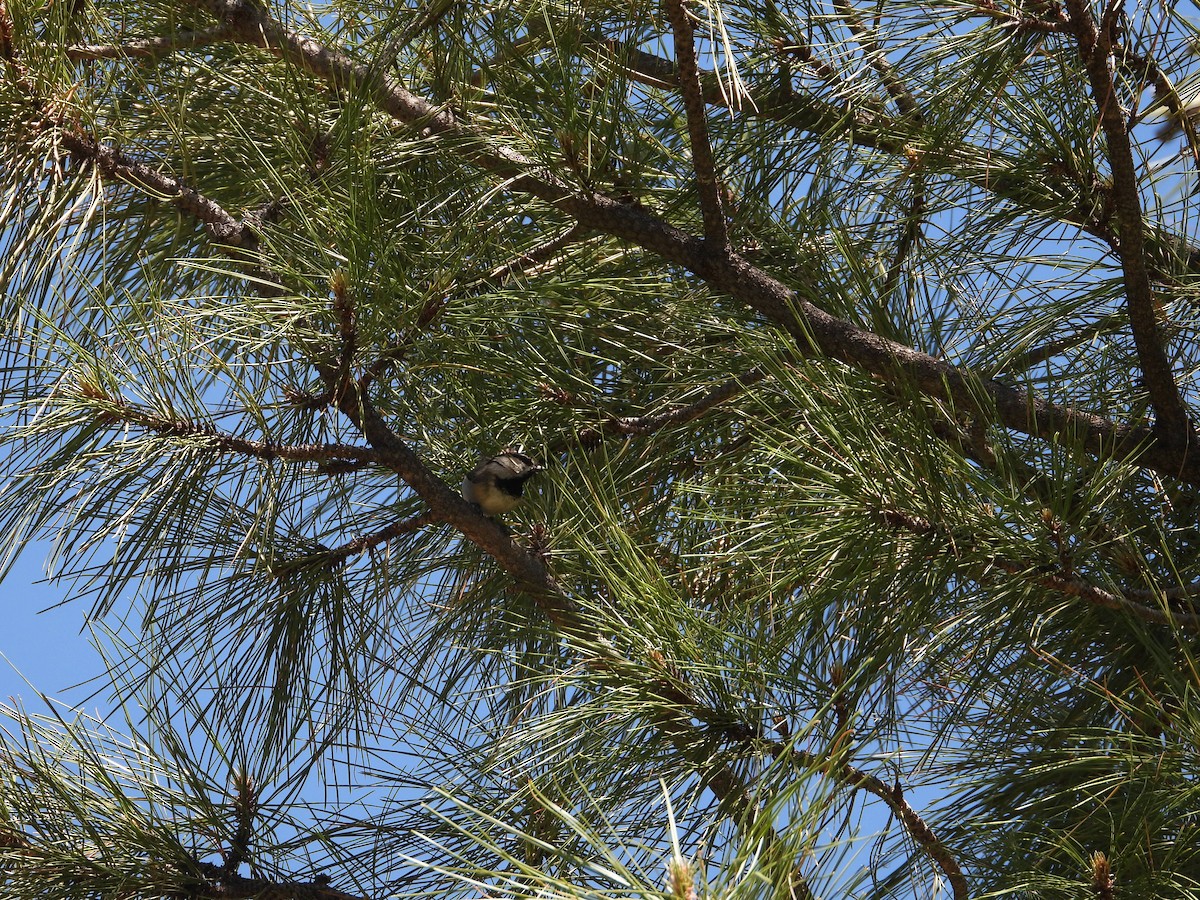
(211, 213)
(221, 885)
(334, 557)
(877, 59)
(1067, 583)
(812, 328)
(1035, 356)
(917, 828)
(338, 377)
(210, 881)
(910, 232)
(1056, 23)
(832, 765)
(221, 225)
(866, 129)
(987, 169)
(656, 421)
(529, 572)
(204, 434)
(152, 47)
(536, 255)
(716, 229)
(1173, 425)
(802, 51)
(700, 739)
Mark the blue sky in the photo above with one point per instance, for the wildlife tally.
(41, 640)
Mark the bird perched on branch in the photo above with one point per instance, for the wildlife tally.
(496, 484)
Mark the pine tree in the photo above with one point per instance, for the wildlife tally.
(857, 343)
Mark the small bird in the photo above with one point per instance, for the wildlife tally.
(1173, 105)
(496, 484)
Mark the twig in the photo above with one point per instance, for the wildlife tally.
(221, 885)
(436, 305)
(648, 424)
(222, 225)
(429, 18)
(536, 255)
(905, 102)
(910, 231)
(716, 229)
(1064, 583)
(830, 764)
(245, 809)
(1073, 586)
(804, 53)
(116, 409)
(1023, 362)
(149, 47)
(1025, 24)
(1183, 592)
(332, 557)
(874, 131)
(347, 321)
(197, 879)
(918, 829)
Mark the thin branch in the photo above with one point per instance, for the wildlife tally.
(222, 225)
(910, 231)
(716, 229)
(325, 454)
(429, 18)
(987, 169)
(652, 422)
(1023, 362)
(1025, 24)
(221, 885)
(334, 557)
(435, 306)
(897, 90)
(918, 829)
(1067, 583)
(969, 440)
(1074, 586)
(339, 380)
(245, 808)
(536, 255)
(831, 765)
(1172, 424)
(1186, 592)
(197, 879)
(803, 52)
(149, 47)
